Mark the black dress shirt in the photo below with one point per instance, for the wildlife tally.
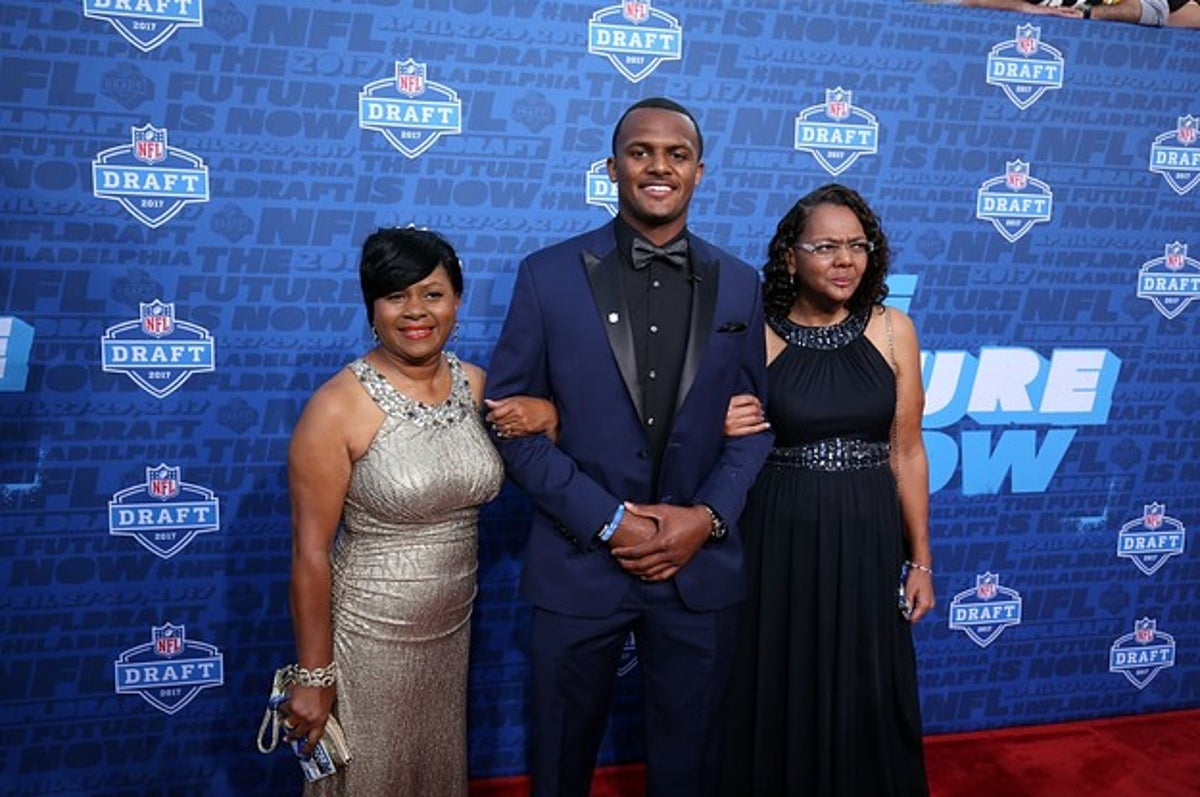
(659, 298)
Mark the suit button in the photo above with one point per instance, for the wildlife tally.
(643, 454)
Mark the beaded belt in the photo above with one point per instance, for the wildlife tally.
(833, 454)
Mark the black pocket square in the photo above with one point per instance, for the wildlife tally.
(732, 326)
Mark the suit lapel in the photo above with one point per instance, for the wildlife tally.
(604, 274)
(704, 302)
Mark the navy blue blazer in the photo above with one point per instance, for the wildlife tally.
(566, 338)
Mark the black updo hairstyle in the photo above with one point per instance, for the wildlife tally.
(395, 257)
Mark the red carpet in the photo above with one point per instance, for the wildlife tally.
(1148, 755)
(618, 781)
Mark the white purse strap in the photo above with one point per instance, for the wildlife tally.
(268, 729)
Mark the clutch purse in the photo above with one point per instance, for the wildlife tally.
(328, 754)
(905, 609)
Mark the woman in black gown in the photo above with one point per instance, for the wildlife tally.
(824, 700)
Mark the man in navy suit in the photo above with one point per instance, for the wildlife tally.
(640, 332)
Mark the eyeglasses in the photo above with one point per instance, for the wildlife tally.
(825, 250)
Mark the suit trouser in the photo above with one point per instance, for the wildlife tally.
(686, 659)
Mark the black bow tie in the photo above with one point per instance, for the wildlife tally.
(644, 253)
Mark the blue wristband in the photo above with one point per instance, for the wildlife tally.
(606, 533)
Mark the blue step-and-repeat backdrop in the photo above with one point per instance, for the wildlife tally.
(186, 184)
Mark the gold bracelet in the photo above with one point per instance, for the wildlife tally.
(915, 566)
(319, 677)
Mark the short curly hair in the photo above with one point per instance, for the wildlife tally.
(779, 292)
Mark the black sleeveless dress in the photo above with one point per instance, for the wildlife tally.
(824, 700)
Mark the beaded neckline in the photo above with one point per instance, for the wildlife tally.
(833, 336)
(435, 416)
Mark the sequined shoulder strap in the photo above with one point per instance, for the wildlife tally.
(375, 383)
(460, 385)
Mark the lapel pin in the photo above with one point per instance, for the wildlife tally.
(613, 318)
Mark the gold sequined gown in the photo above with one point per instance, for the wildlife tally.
(404, 568)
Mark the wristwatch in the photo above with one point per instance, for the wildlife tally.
(719, 527)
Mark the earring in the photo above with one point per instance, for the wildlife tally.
(454, 334)
(374, 333)
(791, 280)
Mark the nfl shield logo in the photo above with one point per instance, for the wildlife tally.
(168, 640)
(635, 12)
(1173, 258)
(1186, 131)
(410, 78)
(837, 103)
(1143, 630)
(1027, 39)
(1016, 174)
(162, 482)
(985, 586)
(149, 144)
(1152, 518)
(158, 319)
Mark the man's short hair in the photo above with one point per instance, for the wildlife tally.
(661, 103)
